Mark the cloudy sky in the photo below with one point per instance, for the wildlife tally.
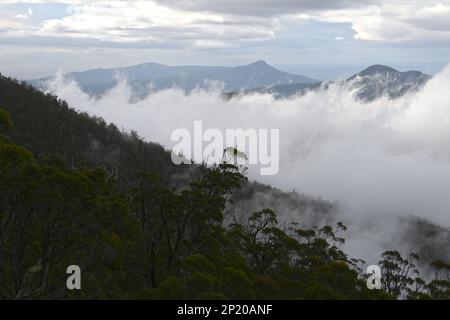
(322, 39)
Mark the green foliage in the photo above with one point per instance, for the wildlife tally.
(5, 120)
(398, 272)
(439, 287)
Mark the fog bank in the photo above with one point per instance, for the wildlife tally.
(379, 160)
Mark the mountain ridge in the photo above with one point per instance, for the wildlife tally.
(186, 77)
(369, 84)
(378, 80)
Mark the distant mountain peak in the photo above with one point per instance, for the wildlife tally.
(260, 63)
(158, 76)
(378, 80)
(377, 69)
(370, 84)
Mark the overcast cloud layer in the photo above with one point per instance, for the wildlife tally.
(290, 33)
(220, 23)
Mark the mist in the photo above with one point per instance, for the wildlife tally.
(378, 161)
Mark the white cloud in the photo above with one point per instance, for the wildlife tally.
(144, 21)
(24, 16)
(393, 21)
(8, 23)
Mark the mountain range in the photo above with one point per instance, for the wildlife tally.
(154, 76)
(378, 80)
(371, 83)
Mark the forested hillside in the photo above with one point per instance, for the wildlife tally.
(47, 126)
(77, 191)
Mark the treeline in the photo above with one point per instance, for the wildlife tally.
(46, 125)
(135, 234)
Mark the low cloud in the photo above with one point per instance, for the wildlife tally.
(379, 161)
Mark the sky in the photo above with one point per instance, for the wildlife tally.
(321, 39)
